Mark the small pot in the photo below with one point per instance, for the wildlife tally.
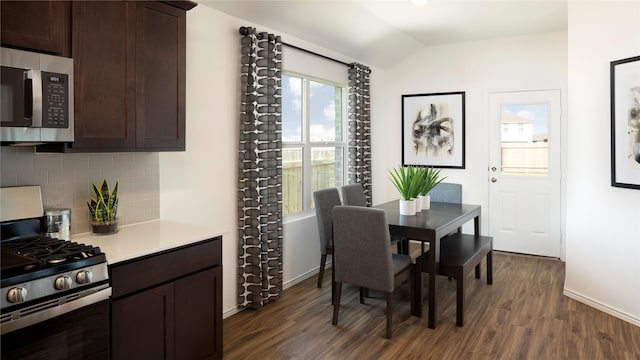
(104, 228)
(426, 202)
(408, 207)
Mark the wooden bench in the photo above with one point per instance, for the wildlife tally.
(458, 254)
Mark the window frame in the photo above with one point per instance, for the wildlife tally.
(307, 145)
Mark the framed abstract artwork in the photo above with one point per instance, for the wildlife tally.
(625, 123)
(433, 130)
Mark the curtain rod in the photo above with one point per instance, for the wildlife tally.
(316, 54)
(245, 31)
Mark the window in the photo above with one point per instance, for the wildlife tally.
(313, 133)
(525, 154)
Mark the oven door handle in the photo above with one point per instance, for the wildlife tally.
(46, 314)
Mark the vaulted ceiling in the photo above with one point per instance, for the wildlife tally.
(382, 33)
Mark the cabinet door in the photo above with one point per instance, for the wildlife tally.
(103, 52)
(199, 315)
(41, 26)
(160, 76)
(142, 325)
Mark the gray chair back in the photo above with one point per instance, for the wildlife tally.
(361, 248)
(325, 200)
(353, 194)
(447, 192)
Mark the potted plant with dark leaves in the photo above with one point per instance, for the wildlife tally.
(405, 181)
(103, 208)
(429, 178)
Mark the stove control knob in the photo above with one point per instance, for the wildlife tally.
(17, 294)
(62, 283)
(84, 277)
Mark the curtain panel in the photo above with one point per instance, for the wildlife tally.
(260, 170)
(359, 132)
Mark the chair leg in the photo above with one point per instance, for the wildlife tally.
(362, 295)
(323, 261)
(336, 303)
(333, 281)
(389, 314)
(412, 282)
(460, 299)
(490, 267)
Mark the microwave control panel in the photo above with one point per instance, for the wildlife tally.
(55, 100)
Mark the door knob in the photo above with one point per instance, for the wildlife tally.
(493, 168)
(493, 179)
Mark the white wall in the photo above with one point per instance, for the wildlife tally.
(603, 222)
(509, 64)
(199, 185)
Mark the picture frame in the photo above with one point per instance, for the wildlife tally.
(433, 130)
(625, 123)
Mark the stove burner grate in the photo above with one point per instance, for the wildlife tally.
(50, 250)
(38, 253)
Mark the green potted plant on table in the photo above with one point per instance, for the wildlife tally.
(103, 208)
(429, 178)
(406, 181)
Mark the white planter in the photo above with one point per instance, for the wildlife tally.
(408, 207)
(425, 202)
(418, 204)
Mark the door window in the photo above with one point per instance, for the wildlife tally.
(524, 140)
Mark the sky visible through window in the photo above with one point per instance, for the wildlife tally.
(322, 110)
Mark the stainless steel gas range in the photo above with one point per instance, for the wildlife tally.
(54, 292)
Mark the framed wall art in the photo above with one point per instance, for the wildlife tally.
(433, 130)
(625, 123)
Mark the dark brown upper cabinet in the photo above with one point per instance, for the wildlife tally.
(41, 26)
(130, 76)
(129, 59)
(160, 76)
(104, 48)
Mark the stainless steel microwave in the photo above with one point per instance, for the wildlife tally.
(37, 98)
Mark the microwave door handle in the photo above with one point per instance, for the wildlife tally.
(36, 85)
(28, 96)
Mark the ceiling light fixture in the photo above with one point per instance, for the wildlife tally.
(419, 2)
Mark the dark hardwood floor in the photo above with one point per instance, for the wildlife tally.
(523, 315)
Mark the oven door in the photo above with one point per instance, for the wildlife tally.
(80, 334)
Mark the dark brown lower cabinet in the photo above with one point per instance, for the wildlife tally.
(142, 325)
(169, 305)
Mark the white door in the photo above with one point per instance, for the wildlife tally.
(524, 172)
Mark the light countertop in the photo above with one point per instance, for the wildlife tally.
(135, 240)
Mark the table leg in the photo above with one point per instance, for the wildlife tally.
(416, 299)
(432, 288)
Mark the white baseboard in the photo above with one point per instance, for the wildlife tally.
(285, 285)
(602, 307)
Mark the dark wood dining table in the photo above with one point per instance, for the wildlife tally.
(430, 226)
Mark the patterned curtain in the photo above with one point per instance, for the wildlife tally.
(260, 170)
(359, 167)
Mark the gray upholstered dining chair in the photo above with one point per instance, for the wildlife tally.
(325, 200)
(447, 192)
(363, 257)
(353, 194)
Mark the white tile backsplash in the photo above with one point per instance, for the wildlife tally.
(66, 180)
